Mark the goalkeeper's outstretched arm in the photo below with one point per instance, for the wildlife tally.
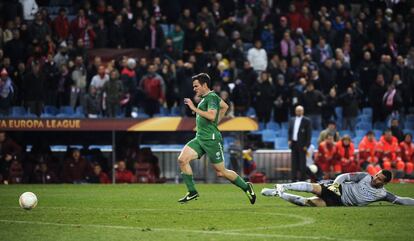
(398, 200)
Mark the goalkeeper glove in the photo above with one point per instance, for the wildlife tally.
(335, 188)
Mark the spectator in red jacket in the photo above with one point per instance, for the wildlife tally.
(345, 151)
(388, 151)
(294, 17)
(123, 175)
(79, 25)
(366, 154)
(407, 153)
(325, 159)
(306, 20)
(99, 176)
(61, 25)
(154, 87)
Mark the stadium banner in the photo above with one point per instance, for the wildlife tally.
(149, 124)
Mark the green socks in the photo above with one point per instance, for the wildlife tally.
(189, 182)
(240, 183)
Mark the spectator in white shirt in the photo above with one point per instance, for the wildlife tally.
(30, 9)
(257, 57)
(100, 79)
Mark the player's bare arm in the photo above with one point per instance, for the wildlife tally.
(223, 109)
(209, 115)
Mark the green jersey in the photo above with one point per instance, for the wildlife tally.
(206, 129)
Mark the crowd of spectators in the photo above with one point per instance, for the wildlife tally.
(269, 55)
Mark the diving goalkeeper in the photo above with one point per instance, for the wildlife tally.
(349, 189)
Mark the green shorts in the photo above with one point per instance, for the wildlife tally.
(213, 149)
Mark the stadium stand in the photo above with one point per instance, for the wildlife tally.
(358, 56)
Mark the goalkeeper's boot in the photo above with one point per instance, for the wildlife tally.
(188, 197)
(250, 193)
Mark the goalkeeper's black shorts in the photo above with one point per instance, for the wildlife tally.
(330, 198)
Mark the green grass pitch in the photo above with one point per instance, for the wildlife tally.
(151, 212)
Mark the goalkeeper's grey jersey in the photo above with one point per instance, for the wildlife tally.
(361, 193)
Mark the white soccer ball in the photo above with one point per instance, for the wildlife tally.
(313, 168)
(28, 200)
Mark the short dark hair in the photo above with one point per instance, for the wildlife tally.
(387, 174)
(331, 122)
(202, 78)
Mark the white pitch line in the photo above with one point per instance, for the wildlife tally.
(304, 220)
(258, 235)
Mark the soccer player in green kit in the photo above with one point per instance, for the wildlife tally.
(208, 140)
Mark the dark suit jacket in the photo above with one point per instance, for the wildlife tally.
(305, 131)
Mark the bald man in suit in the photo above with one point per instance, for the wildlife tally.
(300, 134)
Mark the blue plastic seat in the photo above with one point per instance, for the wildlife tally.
(338, 112)
(79, 116)
(377, 133)
(175, 111)
(272, 125)
(67, 110)
(360, 133)
(268, 135)
(143, 115)
(63, 115)
(281, 143)
(164, 111)
(228, 140)
(409, 124)
(316, 133)
(262, 126)
(45, 115)
(285, 125)
(50, 110)
(18, 111)
(356, 140)
(379, 125)
(409, 117)
(314, 141)
(346, 132)
(79, 110)
(251, 112)
(283, 133)
(364, 118)
(365, 126)
(31, 115)
(367, 111)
